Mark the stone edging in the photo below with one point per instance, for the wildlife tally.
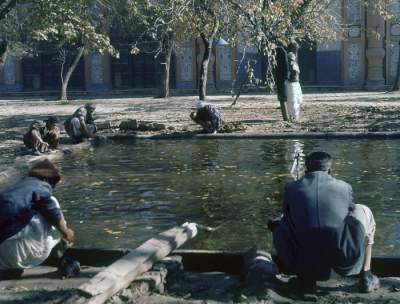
(288, 135)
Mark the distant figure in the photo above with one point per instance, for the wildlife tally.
(81, 124)
(208, 116)
(323, 229)
(294, 94)
(52, 133)
(281, 76)
(29, 219)
(33, 139)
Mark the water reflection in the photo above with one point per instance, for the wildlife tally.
(120, 195)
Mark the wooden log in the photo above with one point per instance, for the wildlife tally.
(121, 273)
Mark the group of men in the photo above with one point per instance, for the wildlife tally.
(321, 228)
(43, 136)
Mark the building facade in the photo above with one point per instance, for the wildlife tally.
(362, 61)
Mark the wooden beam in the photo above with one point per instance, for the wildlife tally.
(121, 273)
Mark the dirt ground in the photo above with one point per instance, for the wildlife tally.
(320, 112)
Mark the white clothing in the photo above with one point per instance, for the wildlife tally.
(30, 246)
(294, 99)
(365, 216)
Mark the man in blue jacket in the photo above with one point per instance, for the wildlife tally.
(29, 219)
(322, 229)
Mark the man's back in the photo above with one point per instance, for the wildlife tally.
(308, 239)
(317, 201)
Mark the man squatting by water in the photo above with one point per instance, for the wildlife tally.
(81, 124)
(322, 229)
(32, 225)
(207, 116)
(43, 136)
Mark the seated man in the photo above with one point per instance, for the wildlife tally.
(33, 138)
(81, 124)
(52, 136)
(208, 116)
(322, 229)
(29, 215)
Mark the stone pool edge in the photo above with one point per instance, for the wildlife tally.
(288, 135)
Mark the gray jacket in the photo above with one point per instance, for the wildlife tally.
(313, 235)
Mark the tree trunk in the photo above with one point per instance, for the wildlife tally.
(166, 66)
(71, 69)
(204, 67)
(396, 84)
(3, 53)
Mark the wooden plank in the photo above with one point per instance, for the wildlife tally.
(121, 273)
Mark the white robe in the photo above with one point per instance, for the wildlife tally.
(30, 246)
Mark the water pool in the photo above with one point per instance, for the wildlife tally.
(122, 194)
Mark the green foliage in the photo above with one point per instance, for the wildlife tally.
(267, 24)
(75, 23)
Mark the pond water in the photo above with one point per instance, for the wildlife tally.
(118, 196)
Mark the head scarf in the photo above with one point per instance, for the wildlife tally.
(45, 170)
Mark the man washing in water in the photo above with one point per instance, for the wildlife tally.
(323, 229)
(208, 116)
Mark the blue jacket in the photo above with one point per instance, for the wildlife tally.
(315, 235)
(19, 203)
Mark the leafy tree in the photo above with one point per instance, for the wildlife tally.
(267, 24)
(78, 25)
(163, 22)
(12, 22)
(6, 6)
(207, 19)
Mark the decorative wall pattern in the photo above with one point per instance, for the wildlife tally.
(354, 11)
(354, 61)
(186, 64)
(9, 71)
(224, 62)
(96, 69)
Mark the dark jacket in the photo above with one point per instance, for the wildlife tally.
(19, 203)
(313, 237)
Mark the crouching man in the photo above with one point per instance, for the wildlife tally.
(207, 116)
(322, 229)
(81, 124)
(31, 222)
(33, 139)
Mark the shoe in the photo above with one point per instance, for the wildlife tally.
(303, 285)
(11, 274)
(69, 268)
(368, 283)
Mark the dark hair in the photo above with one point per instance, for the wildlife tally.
(46, 171)
(318, 161)
(52, 120)
(90, 106)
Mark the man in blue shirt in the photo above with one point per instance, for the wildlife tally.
(29, 219)
(322, 229)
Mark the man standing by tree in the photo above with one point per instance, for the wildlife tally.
(281, 76)
(294, 94)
